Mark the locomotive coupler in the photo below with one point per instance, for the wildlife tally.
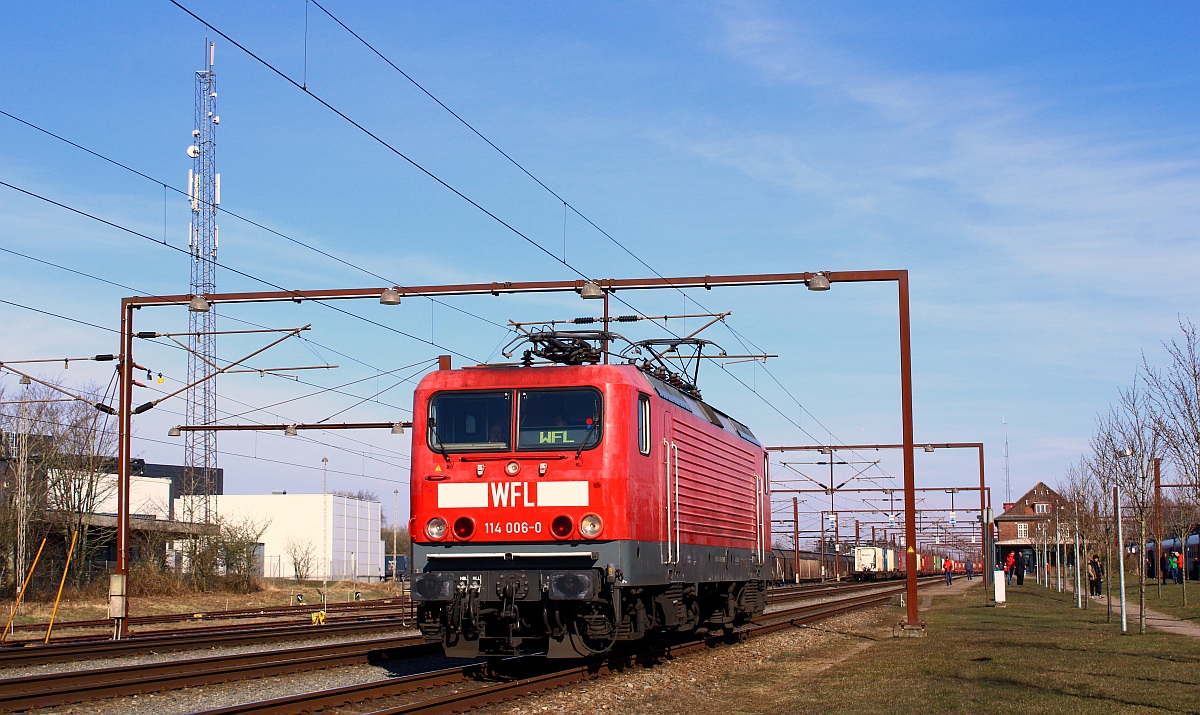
(464, 610)
(508, 601)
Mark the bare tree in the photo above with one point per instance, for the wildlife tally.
(303, 555)
(1174, 395)
(26, 447)
(55, 466)
(400, 536)
(1175, 399)
(200, 551)
(8, 497)
(1180, 515)
(76, 468)
(1128, 441)
(1102, 464)
(1082, 489)
(237, 546)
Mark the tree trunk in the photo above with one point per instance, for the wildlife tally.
(1108, 577)
(1142, 580)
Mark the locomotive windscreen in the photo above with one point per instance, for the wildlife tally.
(475, 421)
(558, 419)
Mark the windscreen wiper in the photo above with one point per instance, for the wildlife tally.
(593, 431)
(438, 444)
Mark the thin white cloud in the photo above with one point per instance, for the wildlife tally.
(966, 156)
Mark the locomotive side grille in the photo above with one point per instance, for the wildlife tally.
(716, 486)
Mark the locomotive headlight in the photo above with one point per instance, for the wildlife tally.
(590, 526)
(436, 528)
(512, 468)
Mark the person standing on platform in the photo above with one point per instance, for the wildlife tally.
(970, 571)
(949, 573)
(1095, 575)
(1019, 567)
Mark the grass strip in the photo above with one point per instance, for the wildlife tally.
(1038, 655)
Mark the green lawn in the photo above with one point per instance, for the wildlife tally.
(1040, 654)
(1171, 600)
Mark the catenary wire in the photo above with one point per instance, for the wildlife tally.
(477, 205)
(382, 142)
(175, 347)
(484, 138)
(743, 340)
(445, 184)
(305, 438)
(305, 340)
(231, 269)
(107, 329)
(247, 456)
(250, 221)
(171, 346)
(402, 155)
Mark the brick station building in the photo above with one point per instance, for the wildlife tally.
(1027, 526)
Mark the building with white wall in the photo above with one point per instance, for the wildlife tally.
(149, 497)
(341, 533)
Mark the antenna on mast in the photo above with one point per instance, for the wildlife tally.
(204, 193)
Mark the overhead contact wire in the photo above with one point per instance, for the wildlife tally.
(566, 204)
(238, 216)
(447, 185)
(231, 269)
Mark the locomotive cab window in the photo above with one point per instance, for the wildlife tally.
(470, 421)
(644, 424)
(558, 419)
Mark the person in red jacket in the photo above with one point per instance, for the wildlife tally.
(1009, 562)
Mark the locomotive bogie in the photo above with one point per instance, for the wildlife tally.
(568, 613)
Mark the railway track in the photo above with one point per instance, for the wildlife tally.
(783, 594)
(301, 612)
(66, 652)
(79, 686)
(503, 688)
(72, 650)
(369, 615)
(61, 688)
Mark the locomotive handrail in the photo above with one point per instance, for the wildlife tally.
(678, 543)
(759, 554)
(667, 499)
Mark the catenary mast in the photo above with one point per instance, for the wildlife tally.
(204, 191)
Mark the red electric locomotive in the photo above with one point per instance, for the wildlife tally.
(559, 509)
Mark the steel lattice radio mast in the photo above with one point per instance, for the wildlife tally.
(204, 191)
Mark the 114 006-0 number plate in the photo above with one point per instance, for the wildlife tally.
(512, 527)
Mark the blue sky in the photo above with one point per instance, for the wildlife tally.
(1033, 167)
